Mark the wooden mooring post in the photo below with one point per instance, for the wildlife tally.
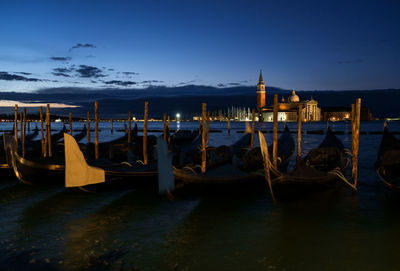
(169, 129)
(229, 126)
(208, 128)
(275, 132)
(355, 140)
(48, 131)
(146, 112)
(96, 130)
(203, 138)
(253, 120)
(111, 126)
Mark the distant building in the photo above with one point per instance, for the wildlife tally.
(287, 111)
(341, 113)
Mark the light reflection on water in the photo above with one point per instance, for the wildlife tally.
(53, 227)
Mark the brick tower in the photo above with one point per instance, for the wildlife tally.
(260, 93)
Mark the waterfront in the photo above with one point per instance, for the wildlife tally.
(56, 228)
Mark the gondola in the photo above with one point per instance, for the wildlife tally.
(4, 165)
(387, 164)
(235, 169)
(322, 168)
(33, 168)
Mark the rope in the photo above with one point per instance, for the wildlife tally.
(140, 162)
(190, 169)
(125, 163)
(340, 175)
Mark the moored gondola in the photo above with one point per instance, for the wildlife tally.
(230, 168)
(322, 168)
(387, 164)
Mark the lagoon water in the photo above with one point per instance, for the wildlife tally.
(51, 227)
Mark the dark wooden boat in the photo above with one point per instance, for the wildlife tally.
(322, 168)
(387, 164)
(33, 168)
(243, 169)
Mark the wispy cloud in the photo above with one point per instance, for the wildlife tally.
(82, 45)
(120, 83)
(151, 81)
(130, 73)
(353, 61)
(13, 77)
(60, 58)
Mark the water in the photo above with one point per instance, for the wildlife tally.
(51, 227)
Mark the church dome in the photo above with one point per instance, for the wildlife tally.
(294, 98)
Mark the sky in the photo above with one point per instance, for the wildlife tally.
(302, 45)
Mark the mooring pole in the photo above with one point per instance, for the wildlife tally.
(16, 123)
(129, 127)
(111, 126)
(146, 112)
(48, 130)
(229, 126)
(356, 140)
(253, 120)
(203, 138)
(275, 132)
(42, 133)
(96, 130)
(299, 122)
(165, 126)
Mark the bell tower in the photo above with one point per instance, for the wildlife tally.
(260, 93)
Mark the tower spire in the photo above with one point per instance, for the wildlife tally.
(260, 80)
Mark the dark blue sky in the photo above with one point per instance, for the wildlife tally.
(298, 44)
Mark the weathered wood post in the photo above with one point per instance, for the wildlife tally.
(229, 126)
(88, 127)
(253, 120)
(48, 131)
(23, 134)
(165, 126)
(96, 130)
(21, 125)
(130, 127)
(299, 121)
(42, 133)
(111, 126)
(356, 140)
(146, 112)
(275, 132)
(352, 126)
(203, 138)
(16, 123)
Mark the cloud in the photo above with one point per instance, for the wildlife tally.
(120, 83)
(89, 72)
(233, 84)
(151, 81)
(187, 83)
(12, 77)
(60, 74)
(63, 70)
(350, 61)
(82, 45)
(221, 85)
(60, 58)
(24, 73)
(130, 73)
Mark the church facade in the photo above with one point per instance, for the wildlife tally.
(287, 110)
